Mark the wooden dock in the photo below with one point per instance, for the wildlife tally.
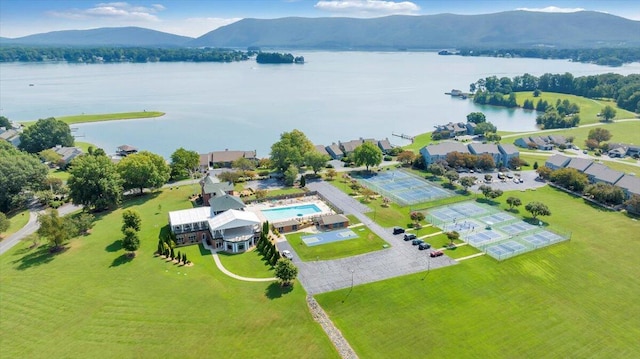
(403, 136)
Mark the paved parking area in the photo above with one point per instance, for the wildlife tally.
(528, 178)
(400, 258)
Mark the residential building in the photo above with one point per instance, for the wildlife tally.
(321, 149)
(534, 142)
(557, 161)
(211, 187)
(629, 184)
(11, 135)
(286, 226)
(580, 164)
(487, 148)
(126, 150)
(334, 151)
(218, 159)
(508, 152)
(385, 146)
(451, 130)
(333, 221)
(557, 140)
(67, 154)
(438, 152)
(598, 172)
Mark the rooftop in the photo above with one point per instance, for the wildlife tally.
(441, 149)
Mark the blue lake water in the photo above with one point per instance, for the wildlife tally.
(246, 106)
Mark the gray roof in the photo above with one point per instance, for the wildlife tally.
(335, 149)
(333, 219)
(230, 156)
(385, 145)
(558, 161)
(210, 185)
(480, 148)
(629, 183)
(508, 149)
(321, 149)
(603, 173)
(225, 202)
(580, 164)
(286, 223)
(127, 148)
(204, 159)
(557, 139)
(350, 146)
(441, 149)
(67, 153)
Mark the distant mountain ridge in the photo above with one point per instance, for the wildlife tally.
(511, 29)
(106, 36)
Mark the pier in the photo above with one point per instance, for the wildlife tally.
(403, 136)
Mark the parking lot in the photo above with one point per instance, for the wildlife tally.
(528, 181)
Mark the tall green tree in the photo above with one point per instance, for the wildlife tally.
(513, 202)
(54, 228)
(537, 209)
(94, 182)
(184, 163)
(4, 122)
(4, 222)
(290, 175)
(131, 241)
(131, 219)
(467, 181)
(608, 113)
(476, 117)
(20, 174)
(44, 134)
(244, 164)
(367, 154)
(316, 160)
(285, 271)
(599, 134)
(143, 170)
(290, 150)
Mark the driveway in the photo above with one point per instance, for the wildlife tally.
(400, 258)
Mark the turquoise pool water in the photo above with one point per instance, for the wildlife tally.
(276, 214)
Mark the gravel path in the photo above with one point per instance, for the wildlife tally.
(334, 334)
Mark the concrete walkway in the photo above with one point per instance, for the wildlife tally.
(471, 256)
(224, 270)
(401, 258)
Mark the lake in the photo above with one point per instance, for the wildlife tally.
(246, 106)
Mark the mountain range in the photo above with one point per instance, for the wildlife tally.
(511, 29)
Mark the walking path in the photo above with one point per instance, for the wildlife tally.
(471, 256)
(224, 270)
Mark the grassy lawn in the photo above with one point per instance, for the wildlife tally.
(625, 132)
(366, 242)
(16, 222)
(249, 264)
(560, 301)
(419, 141)
(70, 120)
(589, 108)
(58, 173)
(90, 301)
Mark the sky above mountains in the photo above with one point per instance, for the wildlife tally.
(197, 17)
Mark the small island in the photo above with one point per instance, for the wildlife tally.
(278, 58)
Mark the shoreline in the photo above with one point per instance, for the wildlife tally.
(103, 117)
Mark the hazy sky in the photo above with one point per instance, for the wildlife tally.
(197, 17)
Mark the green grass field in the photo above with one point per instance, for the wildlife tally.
(567, 300)
(250, 264)
(16, 221)
(366, 242)
(589, 108)
(90, 301)
(70, 120)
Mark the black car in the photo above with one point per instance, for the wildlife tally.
(398, 230)
(424, 245)
(415, 242)
(409, 237)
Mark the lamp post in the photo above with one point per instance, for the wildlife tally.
(352, 271)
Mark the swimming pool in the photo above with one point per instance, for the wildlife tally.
(279, 213)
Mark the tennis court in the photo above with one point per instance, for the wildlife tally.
(404, 188)
(491, 230)
(328, 237)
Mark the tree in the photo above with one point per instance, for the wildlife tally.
(467, 181)
(4, 122)
(608, 113)
(285, 271)
(290, 150)
(244, 164)
(260, 194)
(513, 202)
(20, 173)
(229, 176)
(453, 236)
(633, 204)
(544, 172)
(316, 160)
(290, 175)
(605, 193)
(452, 176)
(131, 219)
(535, 165)
(570, 178)
(599, 134)
(367, 154)
(484, 127)
(417, 217)
(50, 156)
(536, 93)
(83, 222)
(45, 134)
(184, 163)
(131, 241)
(495, 193)
(331, 173)
(406, 157)
(486, 190)
(476, 117)
(94, 182)
(485, 161)
(537, 209)
(4, 222)
(303, 181)
(143, 170)
(53, 228)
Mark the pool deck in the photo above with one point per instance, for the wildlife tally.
(257, 208)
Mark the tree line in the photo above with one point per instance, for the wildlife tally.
(600, 56)
(625, 90)
(119, 54)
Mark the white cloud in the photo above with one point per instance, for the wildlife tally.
(367, 8)
(552, 9)
(113, 10)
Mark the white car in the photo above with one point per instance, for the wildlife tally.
(287, 254)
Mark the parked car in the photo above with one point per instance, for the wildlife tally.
(436, 253)
(409, 237)
(424, 245)
(415, 242)
(287, 254)
(398, 230)
(509, 175)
